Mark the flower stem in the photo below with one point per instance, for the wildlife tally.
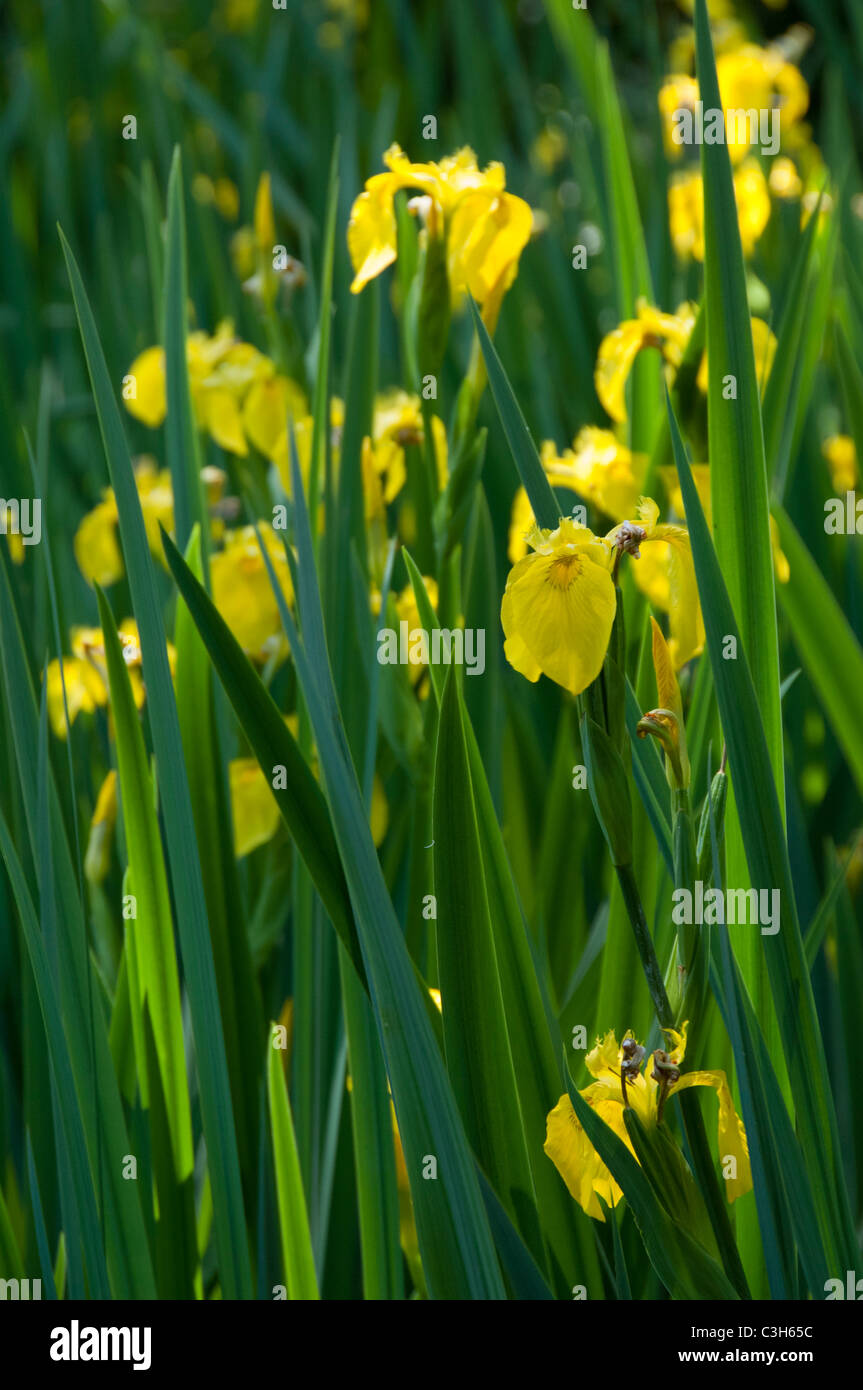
(644, 942)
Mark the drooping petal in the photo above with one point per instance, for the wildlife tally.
(617, 352)
(254, 809)
(487, 233)
(372, 233)
(577, 1161)
(731, 1133)
(557, 615)
(242, 591)
(149, 402)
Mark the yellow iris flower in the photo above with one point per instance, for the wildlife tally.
(764, 349)
(600, 469)
(559, 605)
(221, 372)
(784, 180)
(85, 673)
(750, 78)
(255, 811)
(619, 349)
(243, 594)
(96, 544)
(486, 228)
(588, 1179)
(602, 459)
(686, 209)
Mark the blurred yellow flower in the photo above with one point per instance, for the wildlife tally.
(85, 673)
(600, 469)
(764, 346)
(255, 811)
(549, 148)
(243, 594)
(841, 455)
(620, 1082)
(686, 209)
(751, 79)
(409, 612)
(559, 605)
(781, 567)
(701, 478)
(486, 228)
(96, 543)
(303, 432)
(266, 409)
(221, 370)
(14, 539)
(619, 349)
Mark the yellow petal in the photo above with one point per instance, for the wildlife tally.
(85, 690)
(242, 591)
(731, 1133)
(97, 860)
(604, 1056)
(372, 231)
(487, 234)
(841, 455)
(149, 403)
(701, 478)
(577, 1161)
(602, 470)
(781, 567)
(617, 352)
(668, 691)
(753, 204)
(254, 808)
(96, 546)
(557, 615)
(666, 573)
(521, 522)
(266, 409)
(224, 422)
